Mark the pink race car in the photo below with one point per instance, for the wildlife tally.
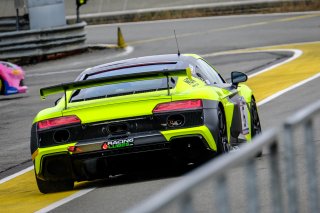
(11, 79)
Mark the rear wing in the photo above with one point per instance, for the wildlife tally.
(46, 91)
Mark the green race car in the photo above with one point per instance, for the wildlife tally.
(137, 111)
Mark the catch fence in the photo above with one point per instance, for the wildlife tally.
(284, 190)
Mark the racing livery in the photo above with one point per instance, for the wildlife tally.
(11, 79)
(174, 107)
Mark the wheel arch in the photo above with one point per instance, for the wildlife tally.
(211, 119)
(246, 92)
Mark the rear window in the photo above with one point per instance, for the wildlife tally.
(10, 65)
(125, 88)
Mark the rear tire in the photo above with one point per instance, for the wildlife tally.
(222, 144)
(54, 186)
(1, 87)
(255, 122)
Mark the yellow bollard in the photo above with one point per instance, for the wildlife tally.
(121, 41)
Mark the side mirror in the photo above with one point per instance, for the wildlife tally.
(238, 77)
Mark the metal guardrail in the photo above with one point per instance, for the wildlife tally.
(32, 43)
(182, 192)
(9, 24)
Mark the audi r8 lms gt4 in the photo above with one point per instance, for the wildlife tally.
(11, 79)
(121, 114)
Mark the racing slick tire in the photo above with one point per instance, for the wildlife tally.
(255, 122)
(54, 186)
(222, 144)
(1, 87)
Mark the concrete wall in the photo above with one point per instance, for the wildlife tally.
(46, 13)
(7, 8)
(97, 6)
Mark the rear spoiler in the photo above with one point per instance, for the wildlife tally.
(46, 91)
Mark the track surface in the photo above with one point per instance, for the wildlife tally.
(204, 36)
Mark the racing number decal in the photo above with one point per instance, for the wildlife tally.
(192, 83)
(244, 115)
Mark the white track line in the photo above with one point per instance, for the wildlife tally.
(268, 99)
(53, 205)
(296, 54)
(16, 174)
(128, 50)
(65, 200)
(54, 73)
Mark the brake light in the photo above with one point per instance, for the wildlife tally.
(178, 105)
(72, 148)
(16, 72)
(60, 121)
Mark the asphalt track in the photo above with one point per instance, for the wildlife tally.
(230, 43)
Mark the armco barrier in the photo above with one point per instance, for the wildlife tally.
(9, 24)
(32, 43)
(182, 192)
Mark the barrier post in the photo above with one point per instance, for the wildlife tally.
(311, 167)
(222, 195)
(275, 178)
(251, 184)
(186, 205)
(290, 169)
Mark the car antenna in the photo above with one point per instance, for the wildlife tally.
(174, 31)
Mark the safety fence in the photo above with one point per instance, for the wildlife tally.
(285, 190)
(33, 43)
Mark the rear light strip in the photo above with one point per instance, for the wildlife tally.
(178, 105)
(56, 122)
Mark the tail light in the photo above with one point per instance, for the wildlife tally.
(56, 122)
(178, 105)
(16, 72)
(74, 149)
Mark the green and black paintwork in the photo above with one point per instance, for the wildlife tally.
(119, 130)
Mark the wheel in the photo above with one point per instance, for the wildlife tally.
(1, 87)
(222, 143)
(255, 122)
(54, 186)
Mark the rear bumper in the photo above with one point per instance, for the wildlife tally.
(22, 89)
(92, 161)
(14, 88)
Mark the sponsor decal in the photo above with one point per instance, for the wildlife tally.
(191, 82)
(244, 115)
(119, 143)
